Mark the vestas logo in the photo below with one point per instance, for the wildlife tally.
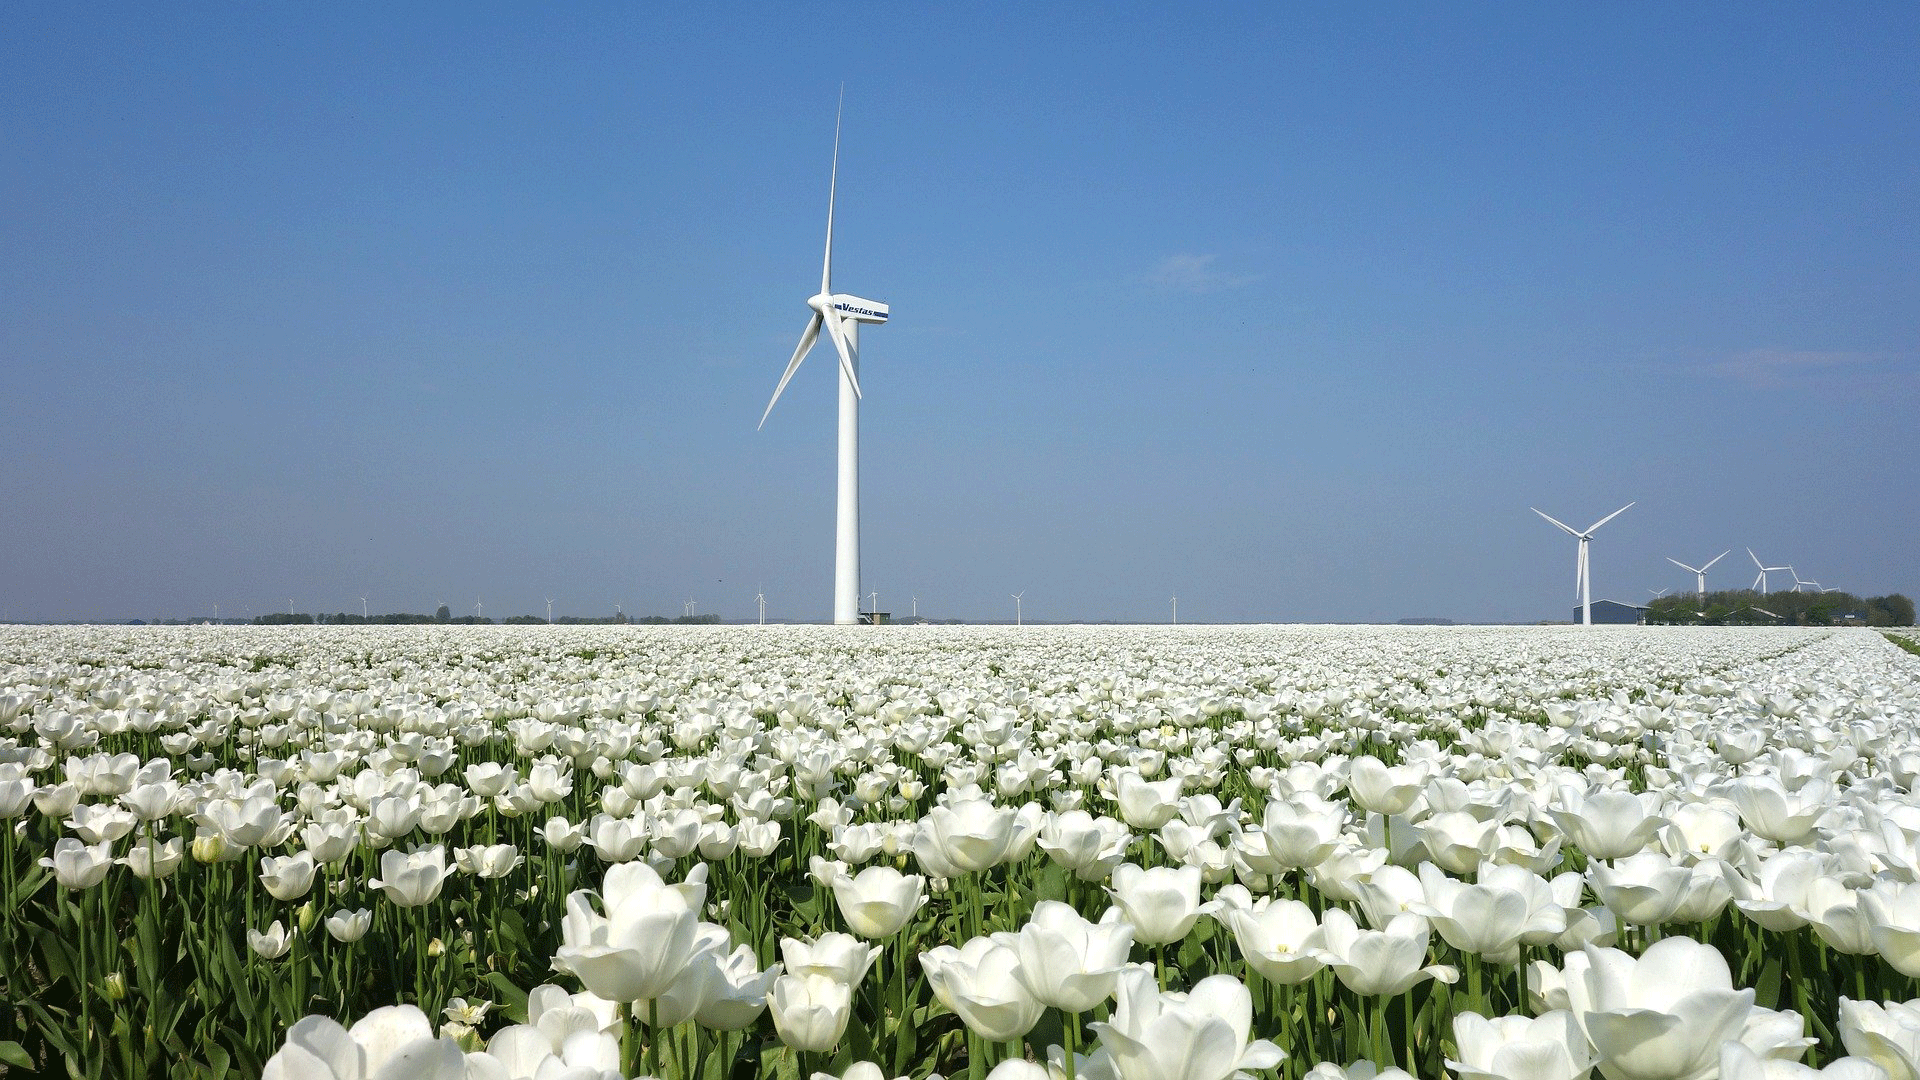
(852, 310)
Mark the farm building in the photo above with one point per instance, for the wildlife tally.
(1613, 611)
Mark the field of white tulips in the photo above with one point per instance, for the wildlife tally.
(1134, 853)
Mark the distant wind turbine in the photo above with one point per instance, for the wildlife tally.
(289, 605)
(476, 609)
(761, 598)
(841, 315)
(1176, 610)
(1016, 606)
(916, 607)
(1760, 579)
(363, 607)
(549, 611)
(1581, 584)
(1699, 572)
(1658, 593)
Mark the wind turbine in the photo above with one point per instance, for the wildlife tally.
(1176, 610)
(1760, 579)
(761, 597)
(1016, 605)
(1797, 582)
(476, 609)
(1699, 572)
(1658, 593)
(874, 601)
(363, 607)
(841, 314)
(289, 605)
(916, 607)
(1580, 582)
(549, 611)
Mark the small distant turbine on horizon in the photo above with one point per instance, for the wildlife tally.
(1175, 601)
(549, 611)
(841, 315)
(289, 605)
(1016, 606)
(1797, 582)
(1699, 572)
(363, 607)
(1760, 579)
(916, 607)
(1581, 585)
(1658, 593)
(476, 609)
(761, 598)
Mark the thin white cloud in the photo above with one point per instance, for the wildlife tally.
(1194, 274)
(1776, 367)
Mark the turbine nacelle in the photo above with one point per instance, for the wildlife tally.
(852, 307)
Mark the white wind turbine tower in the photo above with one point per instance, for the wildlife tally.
(1580, 582)
(1016, 605)
(1699, 572)
(841, 314)
(761, 598)
(549, 611)
(1760, 579)
(363, 607)
(1176, 610)
(916, 607)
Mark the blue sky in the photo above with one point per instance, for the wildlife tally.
(1291, 311)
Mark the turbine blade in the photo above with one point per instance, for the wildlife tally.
(840, 344)
(833, 179)
(1610, 517)
(1684, 566)
(1715, 559)
(1563, 527)
(807, 338)
(1755, 558)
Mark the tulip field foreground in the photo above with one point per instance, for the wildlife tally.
(1143, 853)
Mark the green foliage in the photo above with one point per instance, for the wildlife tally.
(1744, 607)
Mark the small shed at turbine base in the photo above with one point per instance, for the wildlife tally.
(1614, 612)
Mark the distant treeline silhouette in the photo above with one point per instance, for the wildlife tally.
(443, 616)
(1744, 607)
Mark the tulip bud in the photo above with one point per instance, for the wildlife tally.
(209, 847)
(436, 947)
(115, 988)
(306, 916)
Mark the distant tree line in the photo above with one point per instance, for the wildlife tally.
(1744, 607)
(443, 616)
